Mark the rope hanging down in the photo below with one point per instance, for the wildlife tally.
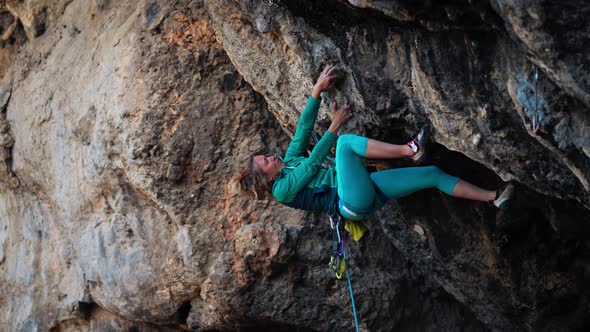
(338, 262)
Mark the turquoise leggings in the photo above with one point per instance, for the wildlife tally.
(362, 193)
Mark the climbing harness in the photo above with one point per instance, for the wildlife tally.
(338, 260)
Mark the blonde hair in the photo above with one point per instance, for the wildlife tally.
(253, 181)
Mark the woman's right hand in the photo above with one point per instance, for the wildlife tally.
(325, 81)
(339, 117)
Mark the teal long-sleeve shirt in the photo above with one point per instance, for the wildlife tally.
(303, 182)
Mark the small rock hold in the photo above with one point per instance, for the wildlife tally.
(152, 19)
(174, 172)
(228, 82)
(476, 139)
(101, 4)
(420, 230)
(4, 96)
(262, 24)
(6, 140)
(73, 31)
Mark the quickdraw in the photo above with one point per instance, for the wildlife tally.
(528, 95)
(337, 261)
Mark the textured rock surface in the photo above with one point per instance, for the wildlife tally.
(122, 123)
(459, 68)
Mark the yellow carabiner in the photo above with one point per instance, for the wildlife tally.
(338, 265)
(341, 269)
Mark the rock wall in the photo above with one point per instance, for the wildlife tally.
(122, 124)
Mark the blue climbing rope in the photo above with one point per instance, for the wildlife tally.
(342, 251)
(356, 322)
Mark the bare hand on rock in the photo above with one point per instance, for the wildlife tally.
(339, 117)
(325, 81)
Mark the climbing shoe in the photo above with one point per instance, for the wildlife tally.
(418, 144)
(503, 197)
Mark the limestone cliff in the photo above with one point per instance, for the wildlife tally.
(122, 124)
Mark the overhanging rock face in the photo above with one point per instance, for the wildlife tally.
(460, 71)
(123, 123)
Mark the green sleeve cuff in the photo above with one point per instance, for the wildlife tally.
(316, 102)
(331, 137)
(311, 109)
(323, 147)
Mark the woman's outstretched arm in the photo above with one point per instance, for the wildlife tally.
(300, 141)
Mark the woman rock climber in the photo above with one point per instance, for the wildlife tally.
(304, 183)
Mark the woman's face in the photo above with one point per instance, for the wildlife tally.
(270, 165)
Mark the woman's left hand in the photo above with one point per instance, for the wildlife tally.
(339, 117)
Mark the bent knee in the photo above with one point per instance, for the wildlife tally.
(435, 171)
(346, 139)
(444, 182)
(434, 175)
(354, 143)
